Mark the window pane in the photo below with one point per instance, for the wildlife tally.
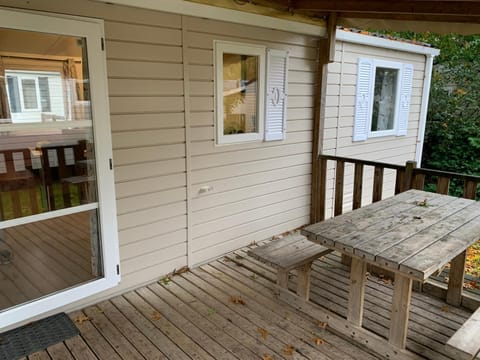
(240, 90)
(29, 92)
(44, 257)
(12, 84)
(383, 117)
(47, 163)
(44, 93)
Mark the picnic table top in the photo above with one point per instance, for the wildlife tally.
(415, 232)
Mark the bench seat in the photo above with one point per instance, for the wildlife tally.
(465, 343)
(289, 253)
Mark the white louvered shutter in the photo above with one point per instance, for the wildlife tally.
(364, 98)
(405, 98)
(276, 108)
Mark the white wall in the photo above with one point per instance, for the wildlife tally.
(339, 118)
(160, 76)
(261, 188)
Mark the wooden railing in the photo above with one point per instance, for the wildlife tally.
(407, 177)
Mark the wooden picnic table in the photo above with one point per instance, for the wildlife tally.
(413, 234)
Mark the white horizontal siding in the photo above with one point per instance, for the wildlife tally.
(339, 121)
(145, 79)
(257, 189)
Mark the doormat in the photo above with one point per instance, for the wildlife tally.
(36, 336)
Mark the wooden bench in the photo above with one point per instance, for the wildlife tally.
(465, 343)
(289, 253)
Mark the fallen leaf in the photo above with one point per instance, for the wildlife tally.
(166, 280)
(263, 333)
(267, 357)
(318, 341)
(289, 350)
(322, 324)
(445, 309)
(156, 315)
(237, 300)
(80, 319)
(180, 271)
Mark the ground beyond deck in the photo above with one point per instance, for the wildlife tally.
(225, 310)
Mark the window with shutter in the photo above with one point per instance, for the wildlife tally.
(383, 95)
(276, 107)
(240, 92)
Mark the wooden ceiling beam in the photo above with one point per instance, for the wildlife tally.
(407, 7)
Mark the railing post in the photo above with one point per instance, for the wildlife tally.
(357, 186)
(470, 190)
(377, 184)
(320, 186)
(339, 176)
(408, 179)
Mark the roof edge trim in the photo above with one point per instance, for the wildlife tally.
(356, 38)
(182, 7)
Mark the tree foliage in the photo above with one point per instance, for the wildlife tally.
(452, 134)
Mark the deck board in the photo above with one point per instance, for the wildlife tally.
(227, 310)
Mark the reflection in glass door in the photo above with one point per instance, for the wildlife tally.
(49, 232)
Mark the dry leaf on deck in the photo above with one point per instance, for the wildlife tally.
(80, 319)
(156, 315)
(237, 300)
(267, 357)
(322, 324)
(289, 350)
(445, 309)
(180, 271)
(263, 333)
(318, 341)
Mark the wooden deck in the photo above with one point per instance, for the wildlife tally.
(225, 310)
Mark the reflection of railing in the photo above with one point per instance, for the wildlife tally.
(47, 178)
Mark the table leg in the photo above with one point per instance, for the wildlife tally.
(303, 281)
(357, 291)
(282, 278)
(402, 293)
(455, 279)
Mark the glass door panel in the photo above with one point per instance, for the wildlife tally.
(49, 226)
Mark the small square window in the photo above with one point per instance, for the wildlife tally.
(383, 95)
(240, 85)
(240, 94)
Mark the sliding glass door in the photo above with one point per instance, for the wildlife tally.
(53, 171)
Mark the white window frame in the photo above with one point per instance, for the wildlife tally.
(92, 31)
(390, 65)
(221, 47)
(32, 75)
(364, 99)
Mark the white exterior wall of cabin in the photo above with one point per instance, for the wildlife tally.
(259, 189)
(160, 76)
(339, 120)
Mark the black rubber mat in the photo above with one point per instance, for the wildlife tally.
(36, 336)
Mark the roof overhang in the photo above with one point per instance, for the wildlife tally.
(370, 40)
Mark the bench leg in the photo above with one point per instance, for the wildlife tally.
(282, 278)
(303, 281)
(357, 291)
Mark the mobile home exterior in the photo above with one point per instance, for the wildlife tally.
(179, 190)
